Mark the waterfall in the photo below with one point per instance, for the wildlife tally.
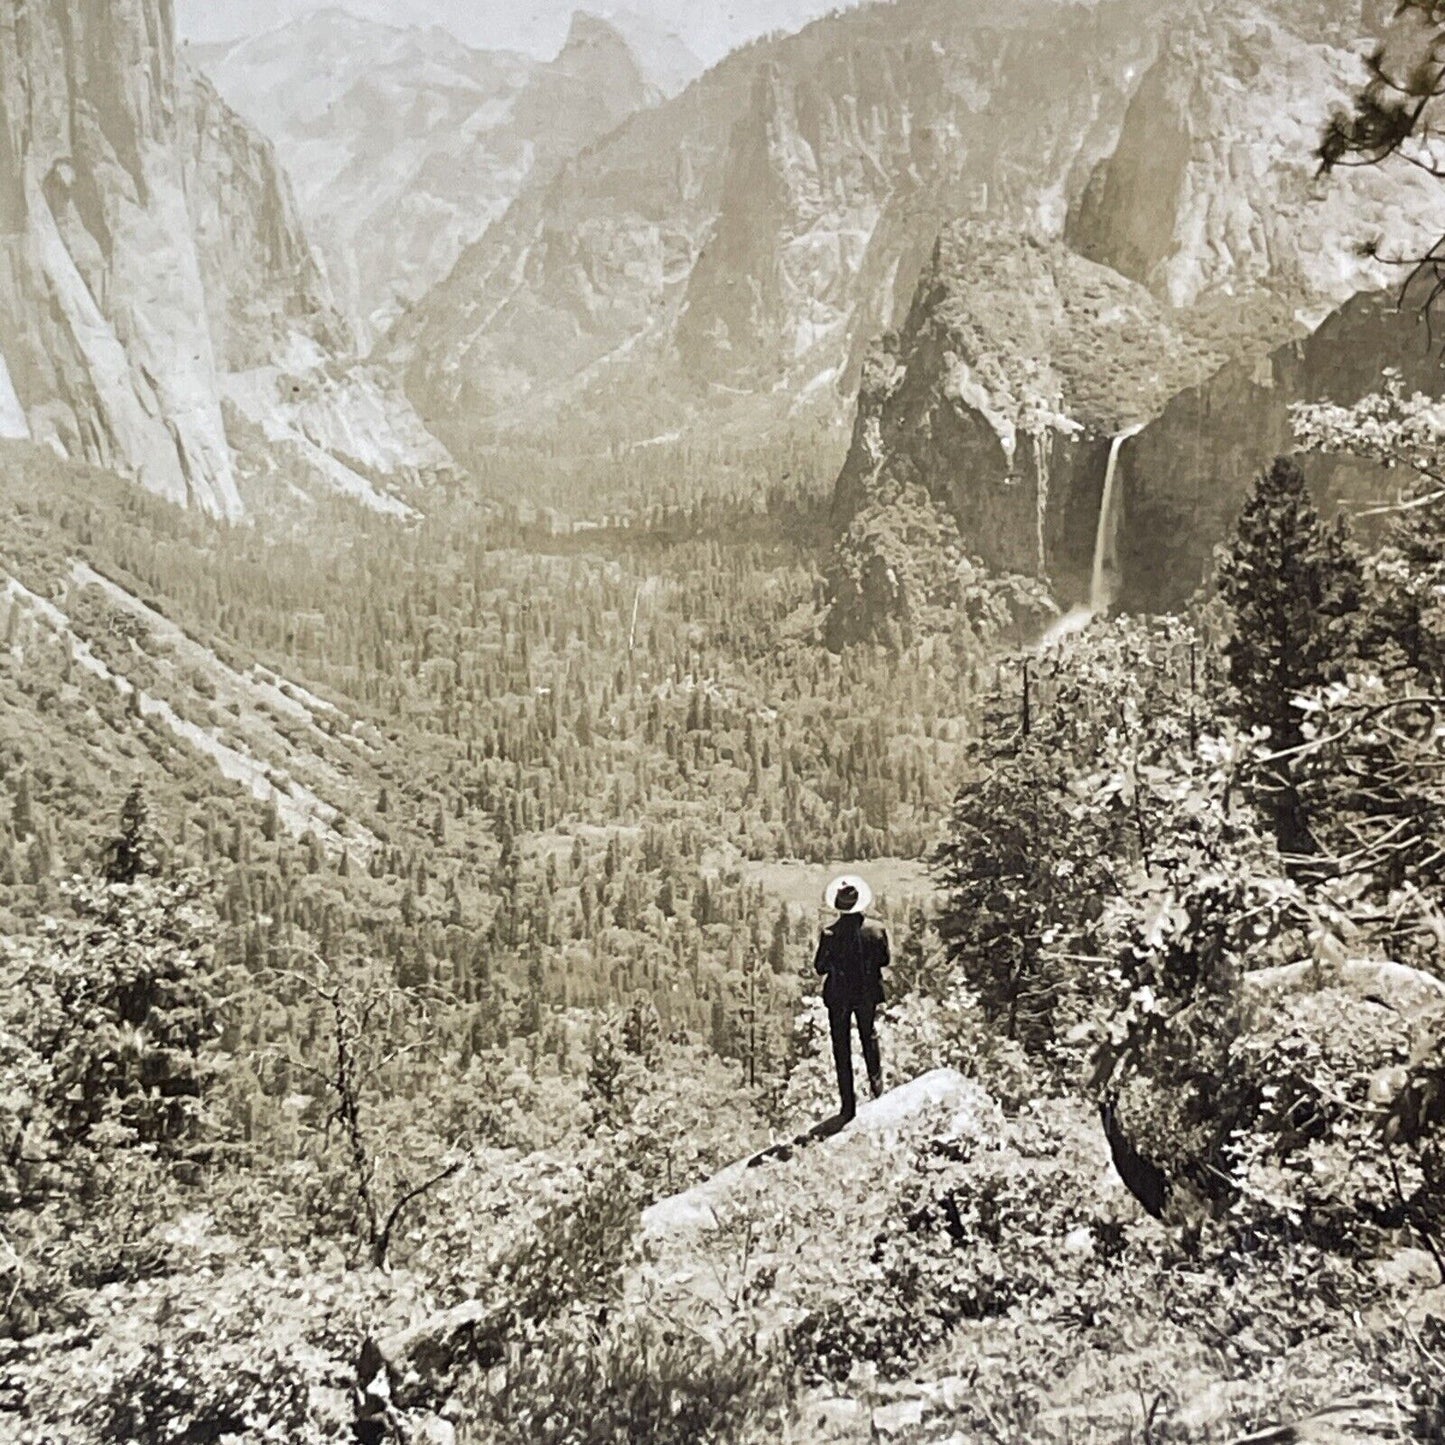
(1103, 580)
(1106, 539)
(1041, 509)
(1104, 575)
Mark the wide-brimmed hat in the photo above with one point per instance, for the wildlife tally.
(848, 893)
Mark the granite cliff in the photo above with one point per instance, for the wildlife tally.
(1184, 477)
(150, 253)
(1202, 282)
(1214, 182)
(998, 398)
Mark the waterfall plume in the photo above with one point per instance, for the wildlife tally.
(1104, 575)
(1104, 570)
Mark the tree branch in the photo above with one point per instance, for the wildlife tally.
(382, 1245)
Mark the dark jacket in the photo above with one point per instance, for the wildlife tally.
(852, 954)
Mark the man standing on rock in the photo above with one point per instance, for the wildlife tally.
(852, 954)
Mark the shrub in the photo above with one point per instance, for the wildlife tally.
(982, 1229)
(634, 1381)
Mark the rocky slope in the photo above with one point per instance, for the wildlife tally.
(1012, 383)
(150, 251)
(999, 395)
(405, 144)
(748, 239)
(740, 247)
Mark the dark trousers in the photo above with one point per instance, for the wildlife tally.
(840, 1018)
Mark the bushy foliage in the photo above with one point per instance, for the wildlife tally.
(120, 1003)
(635, 1381)
(1115, 883)
(109, 1031)
(229, 1342)
(1082, 779)
(1179, 1010)
(198, 1385)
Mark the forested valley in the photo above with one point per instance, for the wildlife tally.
(544, 954)
(409, 888)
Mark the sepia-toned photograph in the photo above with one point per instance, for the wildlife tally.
(722, 723)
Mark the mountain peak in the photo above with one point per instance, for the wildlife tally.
(589, 32)
(597, 56)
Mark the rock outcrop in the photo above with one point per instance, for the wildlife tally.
(1214, 181)
(405, 144)
(149, 248)
(699, 1247)
(102, 292)
(999, 397)
(736, 251)
(1020, 473)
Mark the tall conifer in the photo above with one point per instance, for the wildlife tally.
(1292, 587)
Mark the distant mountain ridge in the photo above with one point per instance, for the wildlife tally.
(735, 252)
(756, 232)
(404, 144)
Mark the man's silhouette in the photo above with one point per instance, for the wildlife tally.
(852, 954)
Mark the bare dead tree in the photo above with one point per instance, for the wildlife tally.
(360, 1050)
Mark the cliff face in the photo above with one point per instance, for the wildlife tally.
(149, 247)
(761, 227)
(1015, 456)
(405, 145)
(258, 270)
(999, 397)
(1185, 477)
(1213, 182)
(1206, 243)
(102, 291)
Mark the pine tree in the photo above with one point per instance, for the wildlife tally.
(642, 1031)
(22, 817)
(132, 853)
(127, 993)
(607, 1074)
(1292, 587)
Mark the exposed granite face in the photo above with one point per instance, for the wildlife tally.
(1214, 180)
(1185, 477)
(1000, 395)
(150, 251)
(103, 305)
(262, 280)
(741, 247)
(1022, 479)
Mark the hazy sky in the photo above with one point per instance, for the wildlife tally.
(710, 28)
